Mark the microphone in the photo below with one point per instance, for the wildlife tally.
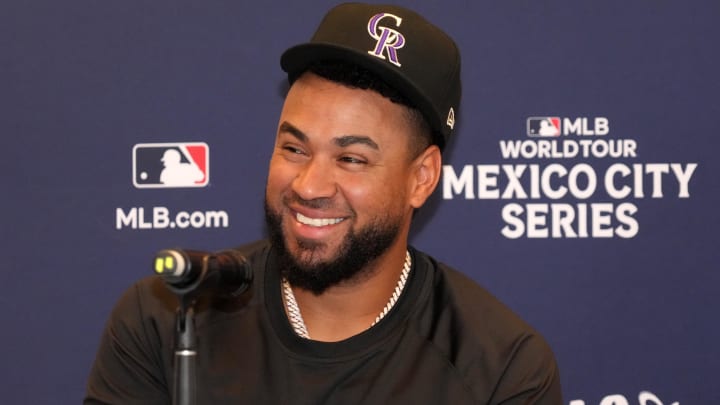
(193, 271)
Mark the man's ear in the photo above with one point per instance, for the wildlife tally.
(426, 175)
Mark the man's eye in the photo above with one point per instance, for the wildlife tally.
(353, 160)
(292, 149)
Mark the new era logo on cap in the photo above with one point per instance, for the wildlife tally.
(165, 165)
(451, 118)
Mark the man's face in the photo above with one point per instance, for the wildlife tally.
(341, 182)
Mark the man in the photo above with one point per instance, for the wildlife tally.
(341, 310)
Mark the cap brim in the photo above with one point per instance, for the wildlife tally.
(297, 59)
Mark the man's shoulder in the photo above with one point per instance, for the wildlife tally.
(463, 309)
(471, 301)
(489, 345)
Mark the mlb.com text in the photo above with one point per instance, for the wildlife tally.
(163, 218)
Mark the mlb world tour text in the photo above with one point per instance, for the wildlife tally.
(578, 200)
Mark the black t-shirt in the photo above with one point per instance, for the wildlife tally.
(446, 341)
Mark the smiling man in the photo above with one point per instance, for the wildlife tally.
(341, 309)
(342, 186)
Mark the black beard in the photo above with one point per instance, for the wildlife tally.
(356, 252)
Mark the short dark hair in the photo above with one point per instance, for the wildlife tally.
(357, 77)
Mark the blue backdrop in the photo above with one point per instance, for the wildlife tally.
(603, 236)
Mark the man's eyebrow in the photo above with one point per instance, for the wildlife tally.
(341, 141)
(348, 140)
(290, 129)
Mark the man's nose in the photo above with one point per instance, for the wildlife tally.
(315, 180)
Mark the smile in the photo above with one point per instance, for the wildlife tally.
(317, 221)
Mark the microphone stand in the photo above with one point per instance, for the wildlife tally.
(184, 381)
(185, 355)
(184, 391)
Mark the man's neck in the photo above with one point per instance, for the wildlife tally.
(348, 309)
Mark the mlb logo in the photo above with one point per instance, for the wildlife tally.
(543, 126)
(168, 165)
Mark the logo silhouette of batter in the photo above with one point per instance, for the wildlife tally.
(177, 173)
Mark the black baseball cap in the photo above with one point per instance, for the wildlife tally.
(400, 46)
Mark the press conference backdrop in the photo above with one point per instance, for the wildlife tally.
(581, 188)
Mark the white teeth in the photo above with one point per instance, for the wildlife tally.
(317, 222)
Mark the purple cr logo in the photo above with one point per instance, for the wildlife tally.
(388, 40)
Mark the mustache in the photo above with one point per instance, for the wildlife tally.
(315, 203)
